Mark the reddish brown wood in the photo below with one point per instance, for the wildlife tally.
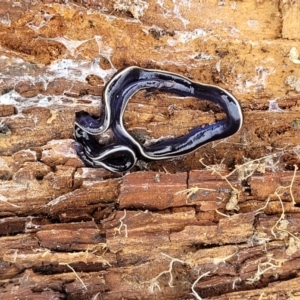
(72, 232)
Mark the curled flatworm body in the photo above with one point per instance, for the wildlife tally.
(123, 154)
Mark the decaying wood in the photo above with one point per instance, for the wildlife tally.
(220, 223)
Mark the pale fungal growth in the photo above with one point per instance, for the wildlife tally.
(192, 191)
(122, 226)
(263, 267)
(4, 129)
(29, 225)
(258, 240)
(218, 66)
(95, 297)
(39, 21)
(281, 223)
(15, 256)
(234, 194)
(71, 45)
(279, 191)
(154, 284)
(136, 7)
(253, 24)
(277, 194)
(154, 281)
(5, 20)
(233, 201)
(244, 172)
(104, 247)
(194, 293)
(293, 82)
(235, 281)
(247, 169)
(256, 82)
(44, 251)
(72, 70)
(221, 214)
(5, 200)
(219, 260)
(184, 37)
(294, 56)
(273, 106)
(104, 50)
(77, 276)
(262, 296)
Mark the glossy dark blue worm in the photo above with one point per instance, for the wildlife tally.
(124, 153)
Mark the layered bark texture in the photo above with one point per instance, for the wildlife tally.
(220, 223)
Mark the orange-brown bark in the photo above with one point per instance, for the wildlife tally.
(228, 212)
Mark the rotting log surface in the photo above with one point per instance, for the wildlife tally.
(72, 232)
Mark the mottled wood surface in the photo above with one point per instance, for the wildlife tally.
(220, 223)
